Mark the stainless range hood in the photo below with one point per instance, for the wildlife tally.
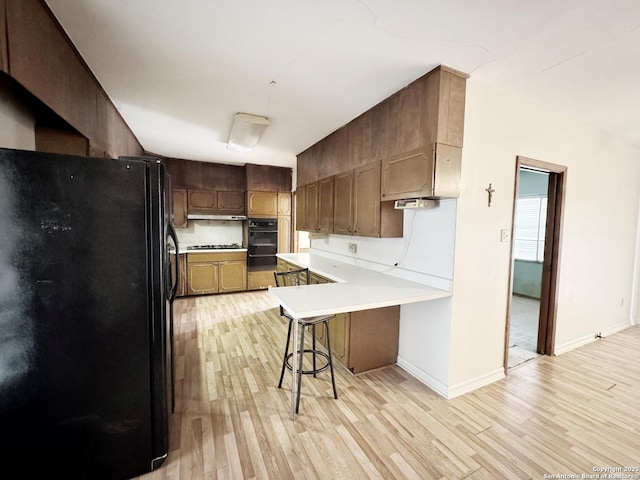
(202, 216)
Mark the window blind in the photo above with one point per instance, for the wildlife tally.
(530, 226)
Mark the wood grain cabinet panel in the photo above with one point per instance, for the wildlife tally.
(202, 278)
(202, 201)
(284, 233)
(343, 203)
(359, 140)
(4, 54)
(311, 207)
(422, 173)
(179, 208)
(45, 62)
(54, 140)
(302, 222)
(216, 272)
(324, 222)
(260, 280)
(267, 178)
(232, 276)
(38, 54)
(372, 347)
(366, 200)
(284, 203)
(231, 202)
(426, 114)
(318, 205)
(262, 204)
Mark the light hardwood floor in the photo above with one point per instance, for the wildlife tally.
(555, 415)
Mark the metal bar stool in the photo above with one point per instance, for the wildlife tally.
(301, 277)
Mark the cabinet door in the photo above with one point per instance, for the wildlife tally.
(366, 200)
(343, 203)
(284, 234)
(284, 203)
(202, 278)
(325, 206)
(202, 201)
(231, 202)
(339, 332)
(301, 209)
(260, 280)
(232, 276)
(408, 175)
(311, 207)
(262, 204)
(179, 205)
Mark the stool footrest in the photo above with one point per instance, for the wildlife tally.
(312, 371)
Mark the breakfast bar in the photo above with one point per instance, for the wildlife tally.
(356, 288)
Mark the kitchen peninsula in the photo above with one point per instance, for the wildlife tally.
(351, 289)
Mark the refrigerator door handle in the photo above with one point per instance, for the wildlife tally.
(174, 287)
(172, 296)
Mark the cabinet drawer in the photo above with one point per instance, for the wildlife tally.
(216, 257)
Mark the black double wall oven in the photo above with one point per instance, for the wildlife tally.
(262, 243)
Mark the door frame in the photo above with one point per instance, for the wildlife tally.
(551, 262)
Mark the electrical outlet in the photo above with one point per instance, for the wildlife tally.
(505, 235)
(353, 248)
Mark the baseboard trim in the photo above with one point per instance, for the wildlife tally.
(582, 341)
(435, 385)
(456, 390)
(474, 384)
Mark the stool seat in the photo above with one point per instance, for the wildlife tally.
(301, 277)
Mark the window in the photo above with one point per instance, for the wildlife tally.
(531, 220)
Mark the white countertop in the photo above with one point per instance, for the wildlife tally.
(356, 289)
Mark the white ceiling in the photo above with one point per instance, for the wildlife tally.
(178, 70)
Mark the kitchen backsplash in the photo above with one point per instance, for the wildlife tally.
(207, 232)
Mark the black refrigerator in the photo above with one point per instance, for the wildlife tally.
(86, 292)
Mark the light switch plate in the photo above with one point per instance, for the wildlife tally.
(505, 235)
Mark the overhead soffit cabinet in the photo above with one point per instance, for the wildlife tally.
(246, 131)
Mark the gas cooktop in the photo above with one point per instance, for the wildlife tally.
(218, 246)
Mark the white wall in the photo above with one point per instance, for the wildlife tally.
(17, 128)
(598, 236)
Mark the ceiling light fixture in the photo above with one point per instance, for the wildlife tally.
(246, 131)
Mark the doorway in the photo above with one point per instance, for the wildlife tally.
(535, 251)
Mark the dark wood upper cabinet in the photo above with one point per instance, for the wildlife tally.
(46, 63)
(426, 112)
(37, 53)
(4, 55)
(54, 140)
(343, 203)
(231, 202)
(360, 132)
(422, 172)
(267, 178)
(202, 201)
